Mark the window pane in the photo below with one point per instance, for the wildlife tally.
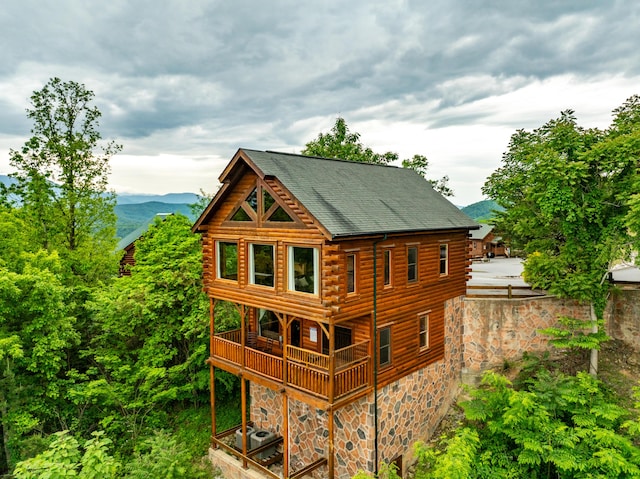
(241, 215)
(269, 324)
(280, 215)
(267, 201)
(444, 259)
(304, 275)
(351, 273)
(262, 264)
(424, 331)
(228, 260)
(387, 267)
(252, 199)
(385, 345)
(412, 264)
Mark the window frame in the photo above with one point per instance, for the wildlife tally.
(415, 265)
(424, 316)
(273, 334)
(387, 268)
(291, 286)
(252, 271)
(386, 346)
(354, 290)
(219, 257)
(444, 261)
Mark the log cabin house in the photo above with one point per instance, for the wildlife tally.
(485, 244)
(348, 278)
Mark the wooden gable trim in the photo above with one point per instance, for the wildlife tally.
(231, 175)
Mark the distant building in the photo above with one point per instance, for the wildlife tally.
(128, 244)
(484, 244)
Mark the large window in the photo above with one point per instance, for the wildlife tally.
(351, 273)
(444, 259)
(261, 264)
(303, 269)
(412, 264)
(227, 260)
(384, 345)
(269, 325)
(423, 330)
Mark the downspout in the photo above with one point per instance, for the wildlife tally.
(375, 349)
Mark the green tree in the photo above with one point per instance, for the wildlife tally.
(566, 193)
(64, 458)
(346, 145)
(37, 333)
(61, 176)
(152, 337)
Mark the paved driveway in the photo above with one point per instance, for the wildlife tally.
(497, 271)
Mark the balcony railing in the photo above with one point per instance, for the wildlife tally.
(306, 370)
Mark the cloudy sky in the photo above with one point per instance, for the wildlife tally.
(182, 85)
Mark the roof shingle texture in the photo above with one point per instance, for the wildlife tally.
(351, 198)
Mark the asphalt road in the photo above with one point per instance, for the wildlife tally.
(497, 271)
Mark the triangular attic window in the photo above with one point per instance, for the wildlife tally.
(280, 215)
(241, 215)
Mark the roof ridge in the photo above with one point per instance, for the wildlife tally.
(323, 158)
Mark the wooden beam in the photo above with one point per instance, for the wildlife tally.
(331, 452)
(243, 389)
(285, 434)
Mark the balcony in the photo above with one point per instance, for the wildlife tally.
(306, 370)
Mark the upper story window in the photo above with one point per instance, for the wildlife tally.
(261, 264)
(303, 269)
(387, 261)
(384, 346)
(227, 267)
(261, 206)
(423, 330)
(412, 264)
(351, 273)
(444, 259)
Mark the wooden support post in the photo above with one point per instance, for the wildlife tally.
(285, 434)
(332, 361)
(243, 391)
(331, 459)
(212, 372)
(243, 333)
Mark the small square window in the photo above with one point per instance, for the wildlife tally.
(261, 264)
(444, 259)
(227, 260)
(412, 264)
(351, 273)
(384, 346)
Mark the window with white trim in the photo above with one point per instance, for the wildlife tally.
(303, 266)
(351, 273)
(261, 261)
(412, 264)
(227, 256)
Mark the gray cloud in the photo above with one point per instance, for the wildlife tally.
(198, 77)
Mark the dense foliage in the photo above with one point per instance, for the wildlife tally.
(346, 145)
(97, 373)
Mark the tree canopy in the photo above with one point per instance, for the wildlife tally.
(62, 173)
(567, 195)
(344, 144)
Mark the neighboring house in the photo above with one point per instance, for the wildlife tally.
(324, 259)
(128, 244)
(484, 244)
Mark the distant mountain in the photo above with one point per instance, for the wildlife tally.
(482, 210)
(132, 216)
(174, 198)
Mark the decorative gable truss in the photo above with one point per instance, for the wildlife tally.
(261, 206)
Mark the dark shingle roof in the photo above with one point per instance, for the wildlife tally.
(350, 198)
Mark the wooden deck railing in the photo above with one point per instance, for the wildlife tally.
(306, 370)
